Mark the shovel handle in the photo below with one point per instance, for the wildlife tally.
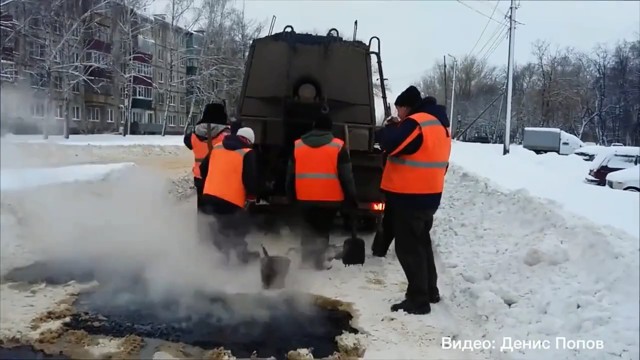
(264, 251)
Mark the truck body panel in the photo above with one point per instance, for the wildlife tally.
(289, 79)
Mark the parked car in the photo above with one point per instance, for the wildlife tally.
(542, 140)
(627, 179)
(589, 152)
(611, 160)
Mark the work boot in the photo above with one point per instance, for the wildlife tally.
(434, 296)
(412, 307)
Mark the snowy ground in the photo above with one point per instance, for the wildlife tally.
(529, 265)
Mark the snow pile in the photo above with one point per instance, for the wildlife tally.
(100, 140)
(520, 271)
(552, 177)
(15, 179)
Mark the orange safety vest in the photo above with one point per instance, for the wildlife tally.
(201, 149)
(422, 172)
(226, 181)
(316, 171)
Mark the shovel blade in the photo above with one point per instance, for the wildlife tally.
(274, 271)
(353, 251)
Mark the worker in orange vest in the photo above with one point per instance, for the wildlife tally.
(208, 132)
(320, 179)
(230, 182)
(418, 145)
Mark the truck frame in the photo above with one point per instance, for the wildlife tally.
(289, 77)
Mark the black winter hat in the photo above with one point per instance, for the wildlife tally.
(323, 122)
(430, 100)
(214, 113)
(409, 98)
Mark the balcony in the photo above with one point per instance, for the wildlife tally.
(143, 47)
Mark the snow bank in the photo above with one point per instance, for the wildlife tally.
(100, 140)
(522, 272)
(553, 177)
(16, 179)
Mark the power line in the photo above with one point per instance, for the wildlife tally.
(481, 13)
(485, 28)
(492, 39)
(495, 45)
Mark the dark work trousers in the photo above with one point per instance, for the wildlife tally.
(315, 234)
(229, 232)
(415, 252)
(381, 244)
(199, 185)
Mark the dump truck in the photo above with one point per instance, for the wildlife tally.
(289, 78)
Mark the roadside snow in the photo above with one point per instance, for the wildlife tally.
(553, 177)
(17, 179)
(100, 140)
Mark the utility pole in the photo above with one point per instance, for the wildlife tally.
(453, 93)
(445, 81)
(512, 30)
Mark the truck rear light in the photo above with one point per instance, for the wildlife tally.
(378, 206)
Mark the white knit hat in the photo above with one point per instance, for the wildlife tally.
(247, 133)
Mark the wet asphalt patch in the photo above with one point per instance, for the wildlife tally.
(269, 325)
(25, 352)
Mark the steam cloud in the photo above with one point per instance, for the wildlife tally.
(129, 228)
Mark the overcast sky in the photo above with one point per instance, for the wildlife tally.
(415, 34)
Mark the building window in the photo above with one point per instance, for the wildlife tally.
(110, 115)
(183, 101)
(182, 123)
(57, 82)
(160, 98)
(93, 114)
(142, 92)
(8, 71)
(161, 55)
(37, 110)
(38, 80)
(143, 69)
(97, 58)
(160, 77)
(181, 80)
(59, 112)
(37, 50)
(35, 22)
(172, 78)
(150, 117)
(100, 33)
(76, 113)
(172, 99)
(76, 31)
(76, 87)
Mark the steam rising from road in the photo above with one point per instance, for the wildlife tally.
(128, 228)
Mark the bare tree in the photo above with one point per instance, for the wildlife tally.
(131, 31)
(594, 95)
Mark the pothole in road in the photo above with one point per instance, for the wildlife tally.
(263, 324)
(27, 353)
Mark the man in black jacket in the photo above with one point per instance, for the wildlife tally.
(230, 182)
(419, 145)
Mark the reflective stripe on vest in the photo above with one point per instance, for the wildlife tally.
(225, 175)
(316, 171)
(422, 172)
(200, 151)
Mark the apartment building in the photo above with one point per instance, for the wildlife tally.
(133, 68)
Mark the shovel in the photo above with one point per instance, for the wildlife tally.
(353, 251)
(273, 270)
